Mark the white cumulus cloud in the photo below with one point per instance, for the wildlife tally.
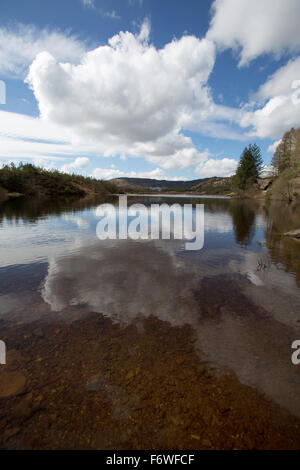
(77, 164)
(277, 109)
(214, 167)
(255, 27)
(129, 96)
(281, 82)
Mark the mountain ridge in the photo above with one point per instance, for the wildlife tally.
(212, 185)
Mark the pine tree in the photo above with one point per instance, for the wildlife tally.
(249, 167)
(258, 160)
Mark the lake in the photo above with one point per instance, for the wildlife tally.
(141, 344)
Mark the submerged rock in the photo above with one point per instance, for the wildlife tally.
(11, 384)
(26, 407)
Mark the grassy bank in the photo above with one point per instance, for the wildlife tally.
(31, 181)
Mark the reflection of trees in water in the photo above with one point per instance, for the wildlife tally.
(282, 218)
(243, 213)
(31, 210)
(243, 219)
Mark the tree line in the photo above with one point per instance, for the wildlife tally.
(30, 180)
(287, 153)
(286, 160)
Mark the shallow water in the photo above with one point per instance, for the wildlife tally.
(112, 336)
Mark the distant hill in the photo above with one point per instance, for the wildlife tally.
(212, 186)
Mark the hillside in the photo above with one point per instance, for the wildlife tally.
(213, 185)
(31, 181)
(286, 187)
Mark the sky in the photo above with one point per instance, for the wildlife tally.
(165, 89)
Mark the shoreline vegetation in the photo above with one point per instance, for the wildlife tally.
(29, 181)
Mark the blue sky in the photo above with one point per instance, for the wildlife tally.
(177, 93)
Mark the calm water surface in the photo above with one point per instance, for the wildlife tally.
(102, 330)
